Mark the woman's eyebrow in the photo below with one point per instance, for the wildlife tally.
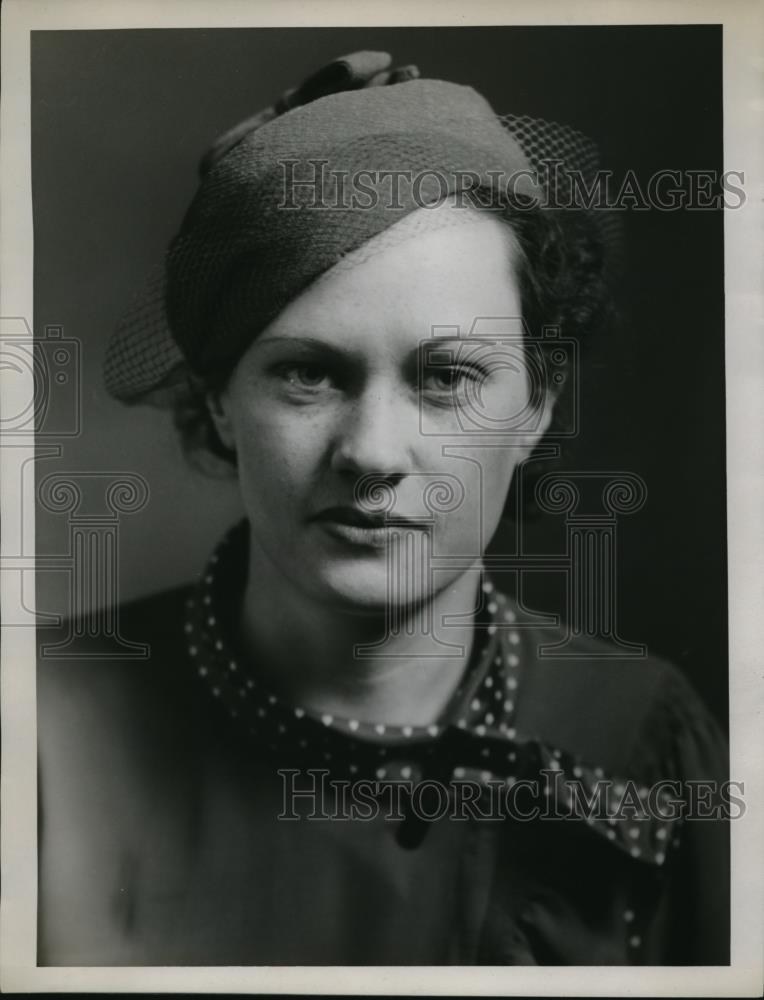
(314, 343)
(448, 342)
(433, 349)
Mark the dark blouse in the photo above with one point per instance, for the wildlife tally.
(168, 838)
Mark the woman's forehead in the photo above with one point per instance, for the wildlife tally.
(447, 224)
(436, 268)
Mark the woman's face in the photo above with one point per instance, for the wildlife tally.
(379, 375)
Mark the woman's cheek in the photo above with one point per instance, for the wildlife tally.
(282, 454)
(498, 480)
(269, 431)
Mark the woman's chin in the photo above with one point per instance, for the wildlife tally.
(367, 588)
(365, 574)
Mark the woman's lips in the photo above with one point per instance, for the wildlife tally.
(357, 527)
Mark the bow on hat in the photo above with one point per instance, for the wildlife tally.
(360, 69)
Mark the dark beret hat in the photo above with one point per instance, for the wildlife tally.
(272, 211)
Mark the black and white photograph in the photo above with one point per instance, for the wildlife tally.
(382, 499)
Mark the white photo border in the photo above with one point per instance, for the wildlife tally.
(743, 27)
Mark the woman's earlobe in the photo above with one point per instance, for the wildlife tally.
(547, 414)
(543, 422)
(221, 419)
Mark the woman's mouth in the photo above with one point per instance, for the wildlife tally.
(358, 527)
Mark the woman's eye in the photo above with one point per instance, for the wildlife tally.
(305, 376)
(451, 379)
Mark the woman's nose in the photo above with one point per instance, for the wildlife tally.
(377, 435)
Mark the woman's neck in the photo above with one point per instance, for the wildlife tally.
(342, 663)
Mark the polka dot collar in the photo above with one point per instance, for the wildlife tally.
(483, 703)
(476, 738)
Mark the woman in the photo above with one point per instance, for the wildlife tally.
(346, 746)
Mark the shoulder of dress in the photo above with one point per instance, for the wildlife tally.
(113, 633)
(597, 700)
(127, 663)
(120, 734)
